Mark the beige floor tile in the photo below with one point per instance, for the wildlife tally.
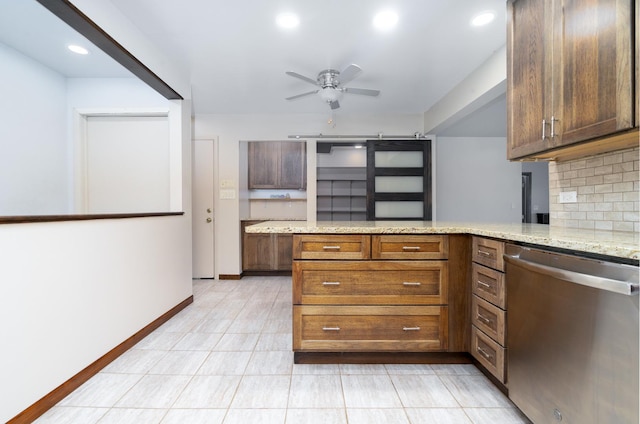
(316, 391)
(278, 325)
(438, 416)
(455, 369)
(262, 392)
(496, 416)
(159, 340)
(225, 363)
(255, 416)
(369, 391)
(366, 369)
(237, 342)
(246, 326)
(316, 416)
(208, 391)
(412, 369)
(475, 391)
(133, 416)
(135, 361)
(426, 391)
(154, 391)
(198, 341)
(377, 416)
(316, 369)
(274, 341)
(71, 415)
(102, 390)
(179, 362)
(270, 363)
(194, 416)
(212, 325)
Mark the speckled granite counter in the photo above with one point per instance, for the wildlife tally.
(611, 243)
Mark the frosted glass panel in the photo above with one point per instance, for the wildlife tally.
(399, 184)
(398, 159)
(399, 209)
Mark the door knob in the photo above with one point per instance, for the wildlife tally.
(209, 210)
(208, 219)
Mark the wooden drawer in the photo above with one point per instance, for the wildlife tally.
(370, 328)
(488, 284)
(488, 252)
(409, 247)
(325, 246)
(489, 353)
(370, 282)
(488, 318)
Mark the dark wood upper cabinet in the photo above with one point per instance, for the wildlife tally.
(277, 165)
(570, 73)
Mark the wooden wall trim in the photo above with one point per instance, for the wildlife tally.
(229, 276)
(60, 392)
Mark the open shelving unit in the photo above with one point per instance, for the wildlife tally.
(342, 193)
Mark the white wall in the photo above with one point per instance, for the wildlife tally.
(475, 182)
(33, 132)
(231, 129)
(74, 290)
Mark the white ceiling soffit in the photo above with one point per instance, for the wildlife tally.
(237, 57)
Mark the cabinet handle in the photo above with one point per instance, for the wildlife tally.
(331, 283)
(330, 328)
(411, 283)
(482, 283)
(553, 127)
(482, 252)
(331, 247)
(544, 128)
(485, 354)
(410, 328)
(410, 247)
(485, 319)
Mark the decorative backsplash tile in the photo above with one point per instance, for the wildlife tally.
(607, 187)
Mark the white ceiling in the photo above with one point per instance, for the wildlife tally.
(237, 57)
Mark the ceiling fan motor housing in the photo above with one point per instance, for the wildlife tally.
(328, 78)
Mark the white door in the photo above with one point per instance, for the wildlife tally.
(203, 216)
(126, 165)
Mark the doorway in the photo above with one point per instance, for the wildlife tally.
(526, 197)
(203, 220)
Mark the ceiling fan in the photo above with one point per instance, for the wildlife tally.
(330, 83)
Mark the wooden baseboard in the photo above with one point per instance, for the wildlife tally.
(229, 277)
(382, 358)
(266, 273)
(59, 393)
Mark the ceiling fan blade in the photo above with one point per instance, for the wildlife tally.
(302, 95)
(302, 77)
(363, 91)
(334, 105)
(349, 73)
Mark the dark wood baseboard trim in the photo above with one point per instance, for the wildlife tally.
(382, 358)
(229, 277)
(266, 273)
(60, 392)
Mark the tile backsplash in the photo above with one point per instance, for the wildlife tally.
(607, 187)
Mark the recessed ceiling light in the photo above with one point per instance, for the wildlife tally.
(77, 49)
(287, 20)
(385, 20)
(483, 18)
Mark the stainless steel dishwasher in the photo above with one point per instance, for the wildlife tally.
(572, 337)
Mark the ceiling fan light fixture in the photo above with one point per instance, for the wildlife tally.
(330, 94)
(287, 20)
(385, 20)
(483, 18)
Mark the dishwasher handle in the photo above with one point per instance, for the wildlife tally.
(600, 283)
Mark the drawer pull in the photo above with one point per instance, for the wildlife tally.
(482, 252)
(331, 283)
(485, 354)
(482, 283)
(411, 283)
(485, 319)
(410, 247)
(330, 328)
(410, 328)
(331, 247)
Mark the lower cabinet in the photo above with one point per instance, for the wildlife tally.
(266, 252)
(366, 304)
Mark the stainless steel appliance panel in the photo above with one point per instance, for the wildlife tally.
(572, 338)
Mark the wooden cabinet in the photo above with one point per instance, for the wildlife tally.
(277, 165)
(570, 73)
(362, 293)
(488, 306)
(266, 252)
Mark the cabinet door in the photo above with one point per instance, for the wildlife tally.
(529, 90)
(263, 165)
(293, 165)
(595, 42)
(284, 252)
(257, 252)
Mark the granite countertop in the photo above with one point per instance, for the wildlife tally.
(611, 243)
